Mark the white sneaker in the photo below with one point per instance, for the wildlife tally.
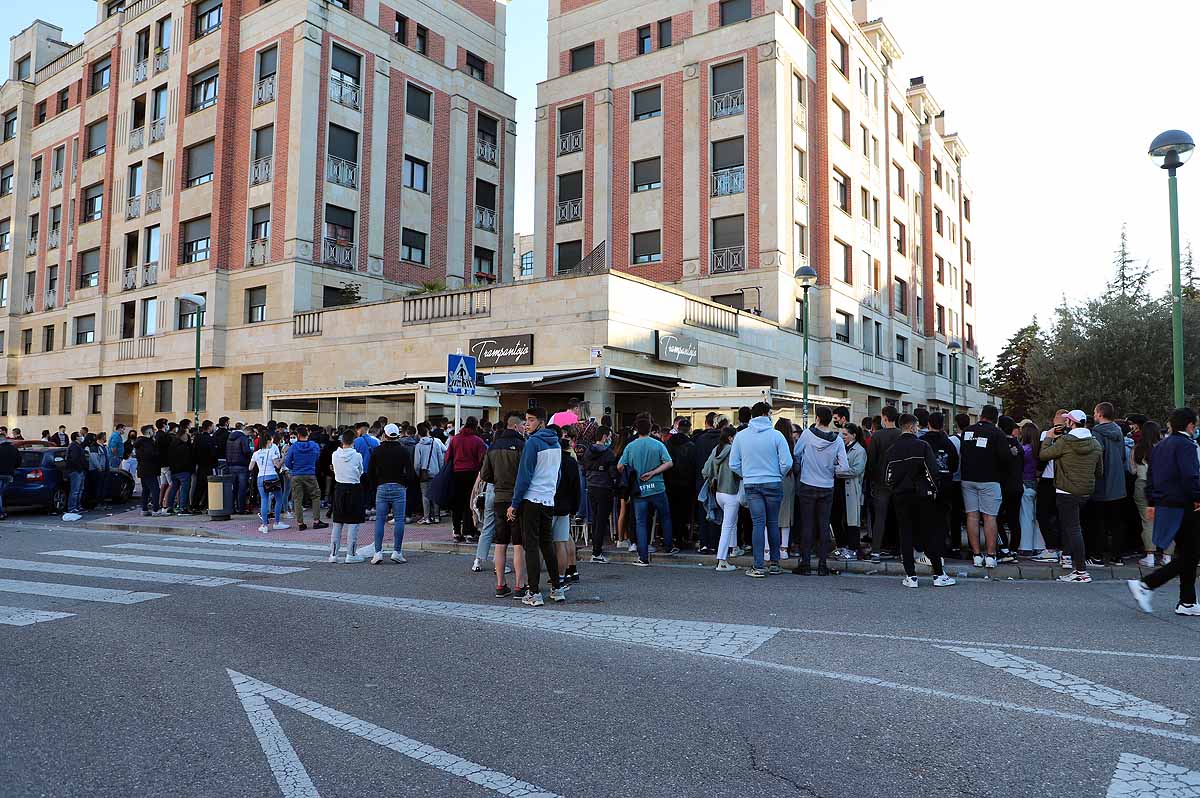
(1047, 555)
(1147, 561)
(71, 516)
(978, 560)
(508, 569)
(289, 515)
(397, 557)
(1192, 610)
(353, 558)
(333, 558)
(263, 529)
(632, 546)
(278, 525)
(1166, 559)
(1141, 594)
(944, 581)
(377, 559)
(910, 581)
(989, 562)
(558, 594)
(738, 551)
(1080, 577)
(476, 567)
(724, 566)
(923, 559)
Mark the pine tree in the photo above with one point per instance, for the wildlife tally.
(1009, 378)
(1129, 281)
(1191, 289)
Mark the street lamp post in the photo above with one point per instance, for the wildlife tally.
(199, 302)
(954, 347)
(807, 277)
(1171, 150)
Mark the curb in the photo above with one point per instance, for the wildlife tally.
(894, 568)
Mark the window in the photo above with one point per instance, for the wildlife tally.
(23, 402)
(5, 237)
(422, 39)
(799, 163)
(204, 88)
(900, 296)
(800, 240)
(583, 57)
(842, 119)
(128, 316)
(95, 395)
(643, 40)
(149, 316)
(64, 100)
(416, 174)
(260, 223)
(901, 241)
(937, 219)
(485, 264)
(196, 240)
(664, 33)
(527, 264)
(158, 104)
(485, 194)
(797, 90)
(93, 202)
(190, 315)
(23, 70)
(970, 336)
(901, 349)
(647, 174)
(967, 208)
(647, 103)
(419, 103)
(85, 329)
(967, 245)
(10, 125)
(970, 374)
(162, 396)
(401, 31)
(89, 268)
(899, 124)
(339, 224)
(113, 8)
(256, 304)
(153, 243)
(476, 67)
(268, 62)
(252, 390)
(339, 3)
(864, 203)
(727, 154)
(843, 256)
(101, 74)
(208, 17)
(798, 16)
(27, 341)
(570, 119)
(200, 163)
(875, 212)
(567, 255)
(647, 247)
(3, 293)
(412, 246)
(841, 190)
(969, 292)
(734, 11)
(48, 338)
(343, 144)
(898, 179)
(486, 128)
(841, 326)
(6, 180)
(39, 113)
(940, 319)
(191, 394)
(937, 172)
(43, 401)
(940, 269)
(839, 54)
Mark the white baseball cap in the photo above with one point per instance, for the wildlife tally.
(391, 431)
(1078, 416)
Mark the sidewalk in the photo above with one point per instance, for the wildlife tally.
(437, 538)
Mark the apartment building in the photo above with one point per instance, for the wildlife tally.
(274, 157)
(718, 145)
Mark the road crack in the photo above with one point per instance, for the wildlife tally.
(801, 789)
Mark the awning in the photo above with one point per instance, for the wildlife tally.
(539, 377)
(662, 382)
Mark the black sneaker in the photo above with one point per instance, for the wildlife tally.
(301, 526)
(673, 550)
(642, 563)
(521, 592)
(573, 577)
(320, 525)
(504, 591)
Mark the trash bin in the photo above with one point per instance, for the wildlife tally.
(220, 497)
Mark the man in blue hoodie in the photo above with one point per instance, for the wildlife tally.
(301, 463)
(533, 501)
(762, 457)
(820, 455)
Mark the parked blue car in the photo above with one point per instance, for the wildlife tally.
(41, 482)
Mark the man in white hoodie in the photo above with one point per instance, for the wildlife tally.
(762, 457)
(820, 455)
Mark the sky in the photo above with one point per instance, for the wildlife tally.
(1056, 102)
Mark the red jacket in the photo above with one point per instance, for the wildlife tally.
(466, 450)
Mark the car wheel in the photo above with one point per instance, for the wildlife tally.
(125, 492)
(58, 501)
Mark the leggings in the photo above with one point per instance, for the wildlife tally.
(1047, 514)
(335, 539)
(729, 523)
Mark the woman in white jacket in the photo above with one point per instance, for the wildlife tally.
(347, 507)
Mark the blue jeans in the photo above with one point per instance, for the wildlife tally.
(241, 487)
(181, 489)
(266, 496)
(75, 497)
(286, 481)
(764, 501)
(4, 483)
(641, 512)
(486, 535)
(393, 495)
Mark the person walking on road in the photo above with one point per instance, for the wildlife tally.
(763, 458)
(390, 472)
(346, 506)
(912, 474)
(1078, 464)
(1173, 493)
(533, 503)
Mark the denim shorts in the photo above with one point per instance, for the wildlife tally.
(560, 530)
(981, 497)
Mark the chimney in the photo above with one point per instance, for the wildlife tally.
(917, 81)
(862, 11)
(939, 123)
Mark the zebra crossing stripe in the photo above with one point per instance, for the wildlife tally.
(77, 592)
(196, 580)
(210, 565)
(257, 544)
(210, 552)
(19, 616)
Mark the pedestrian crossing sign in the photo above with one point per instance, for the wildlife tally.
(460, 375)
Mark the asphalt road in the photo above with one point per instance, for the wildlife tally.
(361, 680)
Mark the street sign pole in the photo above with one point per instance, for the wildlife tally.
(457, 404)
(460, 379)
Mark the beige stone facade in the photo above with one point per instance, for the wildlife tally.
(274, 157)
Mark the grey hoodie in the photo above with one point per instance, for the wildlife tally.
(818, 456)
(1111, 486)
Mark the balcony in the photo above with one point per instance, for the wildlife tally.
(710, 317)
(153, 200)
(31, 246)
(150, 273)
(570, 141)
(487, 151)
(56, 179)
(52, 238)
(28, 303)
(264, 91)
(162, 61)
(261, 171)
(129, 278)
(135, 348)
(485, 218)
(306, 324)
(141, 71)
(158, 129)
(137, 139)
(258, 251)
(51, 298)
(343, 92)
(340, 171)
(570, 210)
(133, 207)
(727, 260)
(731, 103)
(338, 253)
(871, 298)
(726, 182)
(35, 188)
(872, 363)
(449, 305)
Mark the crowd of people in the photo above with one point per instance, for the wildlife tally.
(1083, 492)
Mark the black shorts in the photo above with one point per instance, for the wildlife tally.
(347, 505)
(508, 533)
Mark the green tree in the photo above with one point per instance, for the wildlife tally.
(1129, 280)
(1191, 289)
(1008, 377)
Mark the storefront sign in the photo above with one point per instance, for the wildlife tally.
(503, 350)
(682, 349)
